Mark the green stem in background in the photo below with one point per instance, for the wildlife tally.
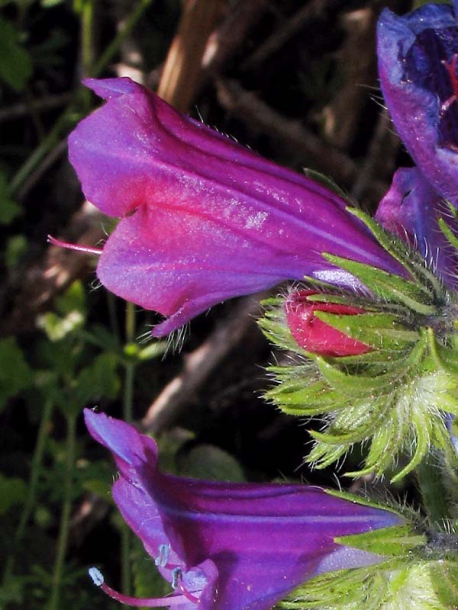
(77, 107)
(62, 542)
(433, 490)
(112, 316)
(64, 123)
(126, 543)
(36, 466)
(130, 364)
(129, 24)
(87, 29)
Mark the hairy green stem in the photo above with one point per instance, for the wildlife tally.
(62, 542)
(129, 379)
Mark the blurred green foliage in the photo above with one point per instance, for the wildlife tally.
(69, 361)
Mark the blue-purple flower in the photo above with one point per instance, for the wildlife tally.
(413, 209)
(226, 545)
(203, 219)
(417, 55)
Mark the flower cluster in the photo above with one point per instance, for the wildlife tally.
(372, 316)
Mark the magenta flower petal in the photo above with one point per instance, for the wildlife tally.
(417, 67)
(237, 545)
(204, 219)
(411, 209)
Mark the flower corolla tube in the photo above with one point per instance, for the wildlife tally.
(203, 219)
(230, 545)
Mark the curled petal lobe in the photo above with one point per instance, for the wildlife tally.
(236, 545)
(203, 218)
(418, 73)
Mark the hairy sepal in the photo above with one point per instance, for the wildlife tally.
(393, 398)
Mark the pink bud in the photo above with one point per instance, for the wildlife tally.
(314, 335)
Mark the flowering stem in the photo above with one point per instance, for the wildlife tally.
(32, 486)
(128, 416)
(65, 513)
(130, 365)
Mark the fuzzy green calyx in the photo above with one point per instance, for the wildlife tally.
(408, 582)
(392, 398)
(418, 570)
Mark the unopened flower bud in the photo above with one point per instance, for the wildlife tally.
(315, 335)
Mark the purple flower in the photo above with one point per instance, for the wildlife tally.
(203, 219)
(411, 209)
(417, 65)
(226, 545)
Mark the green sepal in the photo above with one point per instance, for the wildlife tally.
(388, 286)
(444, 576)
(362, 384)
(417, 568)
(389, 541)
(446, 230)
(382, 331)
(409, 258)
(326, 181)
(305, 396)
(394, 399)
(444, 357)
(405, 582)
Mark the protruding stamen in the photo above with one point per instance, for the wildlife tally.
(163, 602)
(176, 574)
(97, 577)
(450, 66)
(177, 583)
(63, 244)
(163, 556)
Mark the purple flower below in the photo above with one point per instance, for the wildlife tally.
(226, 545)
(203, 219)
(418, 56)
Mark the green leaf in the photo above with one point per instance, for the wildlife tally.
(9, 209)
(16, 249)
(211, 463)
(12, 491)
(15, 373)
(56, 327)
(99, 380)
(71, 308)
(15, 60)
